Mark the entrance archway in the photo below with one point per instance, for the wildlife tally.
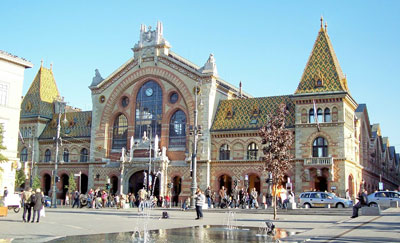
(177, 187)
(114, 185)
(136, 182)
(84, 181)
(254, 182)
(321, 183)
(47, 184)
(225, 181)
(65, 184)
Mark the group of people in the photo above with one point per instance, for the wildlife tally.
(32, 200)
(237, 198)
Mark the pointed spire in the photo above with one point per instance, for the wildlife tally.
(322, 72)
(41, 63)
(326, 27)
(240, 89)
(51, 66)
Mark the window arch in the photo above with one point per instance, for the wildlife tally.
(224, 152)
(252, 150)
(311, 116)
(66, 155)
(47, 155)
(320, 115)
(148, 109)
(24, 155)
(120, 132)
(320, 147)
(84, 155)
(327, 115)
(177, 129)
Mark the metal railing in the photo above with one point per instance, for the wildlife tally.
(319, 161)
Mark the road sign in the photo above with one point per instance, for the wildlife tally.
(77, 174)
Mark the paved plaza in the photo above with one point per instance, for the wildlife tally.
(312, 225)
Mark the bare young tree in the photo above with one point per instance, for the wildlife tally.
(277, 140)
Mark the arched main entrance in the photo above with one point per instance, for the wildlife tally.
(177, 187)
(65, 184)
(47, 184)
(226, 181)
(321, 183)
(114, 185)
(84, 181)
(137, 182)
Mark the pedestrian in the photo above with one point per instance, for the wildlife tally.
(26, 200)
(131, 199)
(5, 192)
(235, 197)
(37, 200)
(186, 204)
(213, 197)
(254, 197)
(347, 194)
(362, 201)
(142, 194)
(104, 198)
(199, 200)
(242, 198)
(208, 196)
(222, 197)
(76, 199)
(42, 212)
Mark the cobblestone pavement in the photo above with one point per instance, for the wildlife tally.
(314, 225)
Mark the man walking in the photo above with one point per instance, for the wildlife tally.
(199, 199)
(235, 197)
(142, 194)
(37, 206)
(362, 201)
(222, 197)
(26, 201)
(76, 199)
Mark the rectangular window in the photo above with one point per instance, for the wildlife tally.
(3, 93)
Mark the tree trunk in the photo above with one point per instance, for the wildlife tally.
(275, 211)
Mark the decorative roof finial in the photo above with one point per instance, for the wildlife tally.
(322, 20)
(51, 66)
(326, 26)
(41, 63)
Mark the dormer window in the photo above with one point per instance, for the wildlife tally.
(229, 112)
(256, 110)
(318, 79)
(318, 83)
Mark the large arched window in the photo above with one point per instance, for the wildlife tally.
(47, 155)
(327, 115)
(319, 115)
(148, 110)
(224, 152)
(320, 147)
(252, 151)
(24, 155)
(120, 132)
(177, 129)
(84, 155)
(66, 155)
(311, 116)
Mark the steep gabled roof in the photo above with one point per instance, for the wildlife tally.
(38, 101)
(250, 114)
(78, 125)
(322, 65)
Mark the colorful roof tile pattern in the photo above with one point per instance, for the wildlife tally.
(38, 101)
(250, 114)
(324, 66)
(78, 125)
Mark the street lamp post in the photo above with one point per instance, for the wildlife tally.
(196, 132)
(148, 137)
(59, 108)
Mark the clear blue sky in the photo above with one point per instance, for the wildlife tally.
(265, 44)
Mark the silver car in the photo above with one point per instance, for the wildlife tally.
(323, 199)
(383, 198)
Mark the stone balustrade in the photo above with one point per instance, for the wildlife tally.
(318, 161)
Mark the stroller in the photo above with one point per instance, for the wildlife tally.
(224, 203)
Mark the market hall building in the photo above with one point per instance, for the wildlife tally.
(143, 117)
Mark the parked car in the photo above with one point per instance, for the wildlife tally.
(383, 198)
(323, 199)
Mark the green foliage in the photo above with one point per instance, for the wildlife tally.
(71, 183)
(2, 157)
(36, 183)
(19, 178)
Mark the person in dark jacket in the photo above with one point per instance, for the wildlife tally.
(37, 202)
(362, 201)
(76, 199)
(26, 199)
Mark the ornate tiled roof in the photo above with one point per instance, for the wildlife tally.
(38, 101)
(322, 65)
(250, 114)
(78, 126)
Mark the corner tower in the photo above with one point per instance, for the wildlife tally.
(326, 149)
